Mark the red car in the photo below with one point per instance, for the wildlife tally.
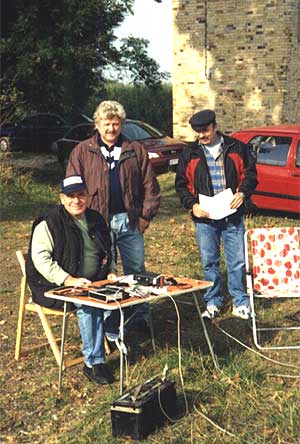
(278, 166)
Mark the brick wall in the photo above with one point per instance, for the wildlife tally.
(238, 57)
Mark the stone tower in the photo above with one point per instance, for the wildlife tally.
(238, 57)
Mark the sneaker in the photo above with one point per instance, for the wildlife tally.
(211, 312)
(242, 312)
(99, 373)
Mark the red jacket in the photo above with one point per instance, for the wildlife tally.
(141, 192)
(193, 176)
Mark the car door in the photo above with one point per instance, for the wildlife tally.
(278, 173)
(71, 139)
(294, 183)
(26, 133)
(50, 128)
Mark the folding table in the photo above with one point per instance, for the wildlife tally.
(184, 286)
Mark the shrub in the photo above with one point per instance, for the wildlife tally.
(152, 105)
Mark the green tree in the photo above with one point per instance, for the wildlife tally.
(54, 51)
(139, 67)
(153, 105)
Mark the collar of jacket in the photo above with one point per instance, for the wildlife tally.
(119, 141)
(94, 147)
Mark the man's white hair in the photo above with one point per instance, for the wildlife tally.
(108, 109)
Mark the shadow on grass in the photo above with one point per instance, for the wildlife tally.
(191, 332)
(23, 210)
(30, 184)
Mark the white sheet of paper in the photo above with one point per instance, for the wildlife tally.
(218, 206)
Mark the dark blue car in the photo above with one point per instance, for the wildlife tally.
(34, 133)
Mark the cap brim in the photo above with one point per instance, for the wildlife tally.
(73, 188)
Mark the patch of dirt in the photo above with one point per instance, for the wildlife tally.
(31, 161)
(43, 168)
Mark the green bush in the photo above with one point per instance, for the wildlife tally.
(152, 105)
(12, 181)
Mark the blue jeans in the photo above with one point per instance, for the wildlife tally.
(90, 320)
(209, 238)
(130, 243)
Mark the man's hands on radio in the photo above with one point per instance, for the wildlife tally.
(76, 281)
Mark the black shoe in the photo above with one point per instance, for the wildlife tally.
(99, 373)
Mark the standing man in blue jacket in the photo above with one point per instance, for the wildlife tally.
(210, 165)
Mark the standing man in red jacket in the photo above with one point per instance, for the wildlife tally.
(122, 187)
(212, 164)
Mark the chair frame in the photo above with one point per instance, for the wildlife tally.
(43, 313)
(250, 288)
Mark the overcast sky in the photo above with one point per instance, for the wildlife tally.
(152, 21)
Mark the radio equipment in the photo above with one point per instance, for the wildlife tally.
(149, 278)
(108, 293)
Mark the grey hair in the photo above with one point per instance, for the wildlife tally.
(108, 109)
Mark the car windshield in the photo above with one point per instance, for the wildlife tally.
(271, 150)
(140, 131)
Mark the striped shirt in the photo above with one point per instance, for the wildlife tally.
(215, 163)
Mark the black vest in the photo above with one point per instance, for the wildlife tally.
(68, 250)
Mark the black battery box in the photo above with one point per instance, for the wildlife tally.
(149, 278)
(144, 408)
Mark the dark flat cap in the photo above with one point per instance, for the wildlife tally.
(202, 118)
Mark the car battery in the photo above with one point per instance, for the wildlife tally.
(144, 408)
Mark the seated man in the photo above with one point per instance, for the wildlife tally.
(70, 245)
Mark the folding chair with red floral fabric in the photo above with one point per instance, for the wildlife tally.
(272, 257)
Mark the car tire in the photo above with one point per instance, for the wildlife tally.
(5, 145)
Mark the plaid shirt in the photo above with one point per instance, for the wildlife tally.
(216, 169)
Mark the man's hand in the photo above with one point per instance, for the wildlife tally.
(143, 224)
(76, 282)
(198, 212)
(237, 200)
(112, 276)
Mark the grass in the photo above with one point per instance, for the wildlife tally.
(256, 401)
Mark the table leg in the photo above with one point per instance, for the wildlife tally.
(121, 352)
(152, 331)
(62, 346)
(214, 358)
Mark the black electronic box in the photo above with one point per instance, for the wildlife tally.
(143, 408)
(149, 278)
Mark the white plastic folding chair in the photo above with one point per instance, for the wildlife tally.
(272, 257)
